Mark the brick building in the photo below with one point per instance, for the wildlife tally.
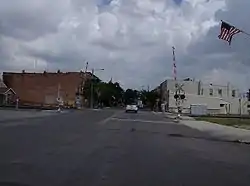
(44, 88)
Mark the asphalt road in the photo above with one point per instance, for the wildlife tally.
(112, 148)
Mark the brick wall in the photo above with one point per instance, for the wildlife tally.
(42, 88)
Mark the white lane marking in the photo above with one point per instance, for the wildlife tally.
(109, 118)
(157, 113)
(96, 109)
(55, 111)
(139, 120)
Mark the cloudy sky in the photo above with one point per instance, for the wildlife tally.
(131, 39)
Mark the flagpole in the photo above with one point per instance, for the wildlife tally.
(245, 33)
(239, 29)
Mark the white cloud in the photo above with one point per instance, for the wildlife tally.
(131, 39)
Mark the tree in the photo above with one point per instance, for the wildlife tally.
(130, 96)
(152, 98)
(116, 93)
(87, 88)
(108, 94)
(104, 93)
(143, 97)
(149, 98)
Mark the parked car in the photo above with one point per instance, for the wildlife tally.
(132, 108)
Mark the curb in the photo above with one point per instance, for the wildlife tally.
(26, 118)
(18, 119)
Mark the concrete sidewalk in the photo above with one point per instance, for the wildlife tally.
(215, 130)
(221, 131)
(173, 116)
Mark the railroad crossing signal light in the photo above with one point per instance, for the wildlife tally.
(176, 96)
(182, 96)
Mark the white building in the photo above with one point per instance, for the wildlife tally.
(219, 99)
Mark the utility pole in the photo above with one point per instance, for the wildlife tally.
(142, 87)
(59, 100)
(80, 90)
(58, 90)
(35, 64)
(84, 76)
(92, 89)
(86, 67)
(240, 106)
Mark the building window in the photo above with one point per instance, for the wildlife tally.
(233, 93)
(211, 92)
(220, 92)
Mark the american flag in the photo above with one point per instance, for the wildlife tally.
(227, 32)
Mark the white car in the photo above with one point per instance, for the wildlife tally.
(132, 108)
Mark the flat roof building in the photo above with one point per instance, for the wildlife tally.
(44, 88)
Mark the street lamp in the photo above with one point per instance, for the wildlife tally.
(92, 85)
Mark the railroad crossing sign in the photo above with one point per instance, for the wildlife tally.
(179, 87)
(179, 97)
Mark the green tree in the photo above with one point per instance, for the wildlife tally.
(152, 98)
(130, 96)
(109, 94)
(87, 88)
(149, 99)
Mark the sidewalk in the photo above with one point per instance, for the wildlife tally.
(215, 130)
(173, 116)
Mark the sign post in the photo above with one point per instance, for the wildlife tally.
(17, 103)
(179, 98)
(60, 104)
(78, 102)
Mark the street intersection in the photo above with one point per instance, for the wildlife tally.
(113, 148)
